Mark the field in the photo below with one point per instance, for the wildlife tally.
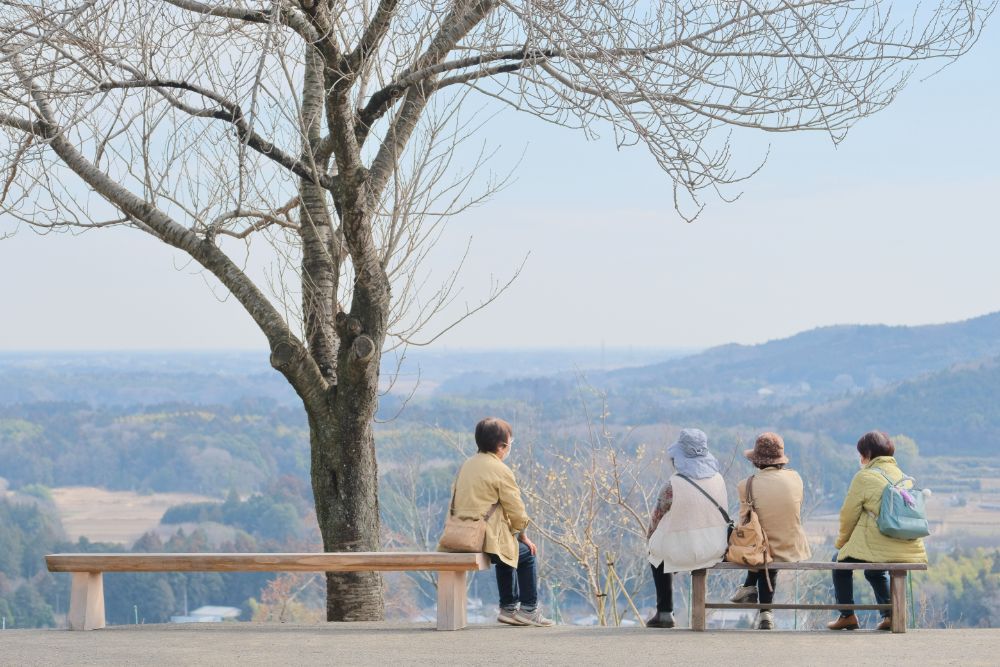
(113, 516)
(971, 518)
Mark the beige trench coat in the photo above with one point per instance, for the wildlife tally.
(778, 498)
(482, 481)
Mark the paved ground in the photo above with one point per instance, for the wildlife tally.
(389, 645)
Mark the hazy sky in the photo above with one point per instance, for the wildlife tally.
(897, 225)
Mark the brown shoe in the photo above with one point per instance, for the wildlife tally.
(886, 623)
(844, 623)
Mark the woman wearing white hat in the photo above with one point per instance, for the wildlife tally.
(689, 526)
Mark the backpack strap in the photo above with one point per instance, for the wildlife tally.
(767, 544)
(724, 513)
(902, 479)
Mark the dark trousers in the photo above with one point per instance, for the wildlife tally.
(843, 586)
(664, 583)
(520, 584)
(765, 594)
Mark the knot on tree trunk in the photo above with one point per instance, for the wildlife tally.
(363, 348)
(283, 354)
(347, 327)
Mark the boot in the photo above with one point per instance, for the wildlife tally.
(844, 623)
(886, 623)
(661, 619)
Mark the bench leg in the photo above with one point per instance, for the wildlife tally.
(897, 591)
(451, 613)
(86, 601)
(699, 588)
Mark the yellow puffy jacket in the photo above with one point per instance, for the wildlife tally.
(859, 536)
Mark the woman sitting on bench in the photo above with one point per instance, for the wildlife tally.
(777, 499)
(860, 540)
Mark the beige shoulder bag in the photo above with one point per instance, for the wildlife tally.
(464, 535)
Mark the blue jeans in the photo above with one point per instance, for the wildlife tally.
(843, 586)
(517, 585)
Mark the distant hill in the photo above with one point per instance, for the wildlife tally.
(950, 412)
(806, 369)
(830, 360)
(220, 377)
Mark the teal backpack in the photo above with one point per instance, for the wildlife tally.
(902, 514)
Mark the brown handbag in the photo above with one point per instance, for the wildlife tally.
(748, 542)
(464, 535)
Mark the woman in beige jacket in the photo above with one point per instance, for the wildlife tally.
(484, 482)
(777, 499)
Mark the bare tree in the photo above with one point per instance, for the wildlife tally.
(208, 124)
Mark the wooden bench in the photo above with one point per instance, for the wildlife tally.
(897, 590)
(86, 607)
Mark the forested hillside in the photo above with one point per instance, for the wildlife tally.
(955, 412)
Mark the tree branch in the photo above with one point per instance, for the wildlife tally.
(230, 113)
(374, 34)
(286, 16)
(288, 354)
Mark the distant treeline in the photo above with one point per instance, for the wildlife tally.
(30, 596)
(169, 447)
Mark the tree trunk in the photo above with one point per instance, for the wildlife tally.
(344, 468)
(345, 489)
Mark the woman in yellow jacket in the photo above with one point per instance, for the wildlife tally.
(484, 481)
(860, 540)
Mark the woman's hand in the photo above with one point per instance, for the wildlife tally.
(523, 539)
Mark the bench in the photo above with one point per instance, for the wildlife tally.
(897, 590)
(86, 607)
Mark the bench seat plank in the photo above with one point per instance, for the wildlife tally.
(360, 561)
(87, 597)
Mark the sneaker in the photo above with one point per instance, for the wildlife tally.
(661, 619)
(509, 616)
(765, 621)
(533, 618)
(844, 623)
(745, 594)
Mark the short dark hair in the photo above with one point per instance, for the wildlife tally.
(491, 433)
(875, 443)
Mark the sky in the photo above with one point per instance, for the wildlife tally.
(897, 225)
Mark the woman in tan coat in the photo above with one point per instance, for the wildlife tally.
(777, 499)
(485, 483)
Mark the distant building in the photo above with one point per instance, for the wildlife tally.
(208, 614)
